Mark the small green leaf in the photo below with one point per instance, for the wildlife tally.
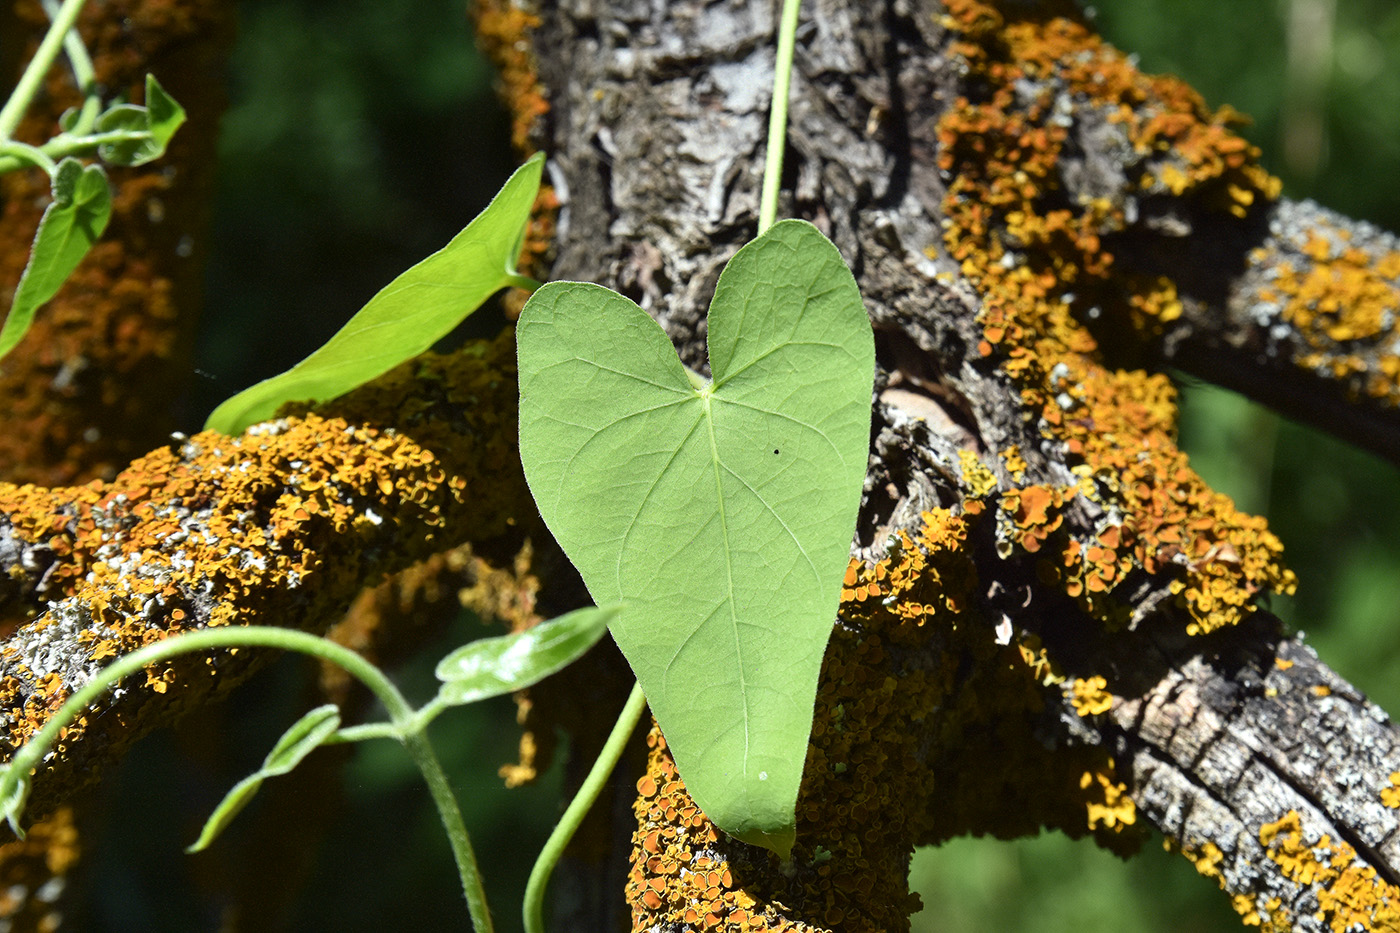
(81, 206)
(301, 738)
(154, 124)
(408, 315)
(720, 514)
(491, 667)
(304, 736)
(166, 115)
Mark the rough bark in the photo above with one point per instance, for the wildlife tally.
(1030, 221)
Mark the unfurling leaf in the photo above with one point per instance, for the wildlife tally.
(152, 126)
(81, 206)
(491, 667)
(304, 736)
(719, 514)
(408, 315)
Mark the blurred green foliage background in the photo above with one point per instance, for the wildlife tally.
(363, 135)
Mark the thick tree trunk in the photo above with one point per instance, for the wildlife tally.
(1065, 614)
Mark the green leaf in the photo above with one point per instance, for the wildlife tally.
(166, 115)
(495, 666)
(126, 118)
(81, 206)
(408, 315)
(304, 736)
(154, 124)
(719, 514)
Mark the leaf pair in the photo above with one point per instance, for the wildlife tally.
(82, 201)
(720, 514)
(484, 668)
(408, 315)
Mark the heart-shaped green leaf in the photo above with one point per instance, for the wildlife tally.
(490, 667)
(720, 514)
(408, 315)
(81, 207)
(301, 739)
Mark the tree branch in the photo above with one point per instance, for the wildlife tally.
(283, 525)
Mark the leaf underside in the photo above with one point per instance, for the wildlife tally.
(720, 515)
(490, 667)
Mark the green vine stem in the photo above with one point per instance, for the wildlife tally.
(408, 729)
(578, 807)
(777, 116)
(84, 75)
(38, 66)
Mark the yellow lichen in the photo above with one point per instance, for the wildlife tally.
(1342, 304)
(1108, 803)
(1350, 896)
(978, 479)
(1090, 696)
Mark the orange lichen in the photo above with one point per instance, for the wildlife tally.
(913, 683)
(1349, 896)
(1029, 515)
(503, 29)
(1037, 254)
(92, 383)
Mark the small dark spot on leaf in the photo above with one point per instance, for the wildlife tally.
(775, 450)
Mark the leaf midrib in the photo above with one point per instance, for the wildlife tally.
(706, 395)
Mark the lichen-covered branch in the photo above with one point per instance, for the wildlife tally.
(283, 525)
(1050, 619)
(1309, 326)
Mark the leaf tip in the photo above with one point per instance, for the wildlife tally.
(779, 839)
